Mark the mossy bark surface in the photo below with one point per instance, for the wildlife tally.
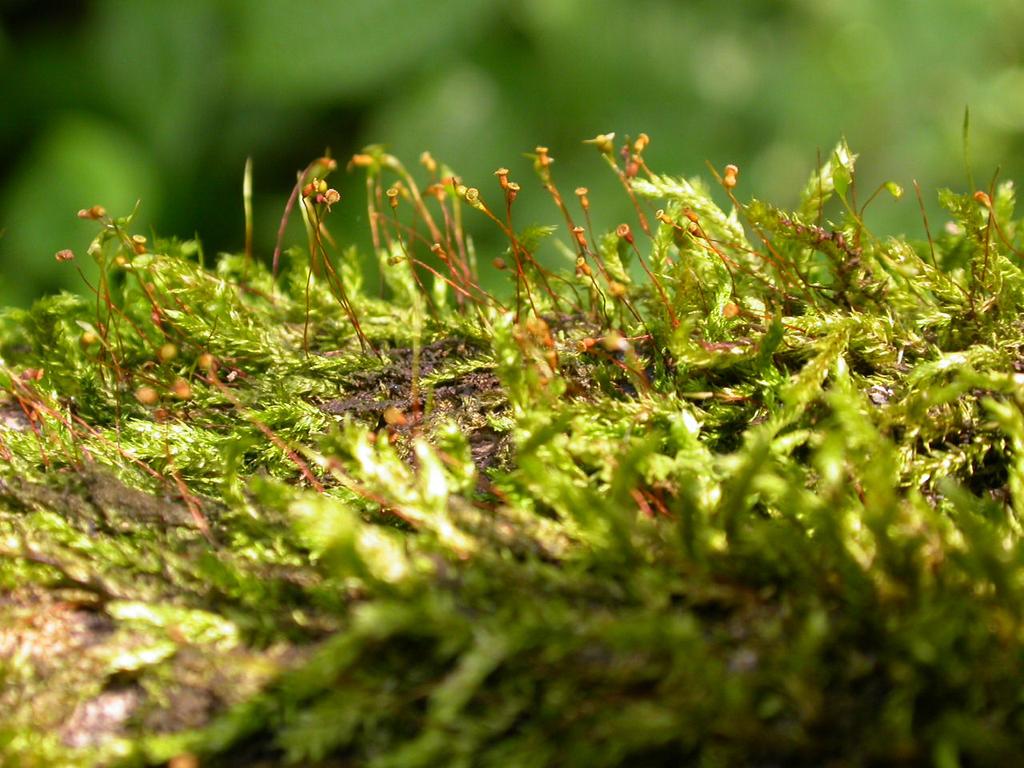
(737, 486)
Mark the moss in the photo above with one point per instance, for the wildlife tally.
(744, 486)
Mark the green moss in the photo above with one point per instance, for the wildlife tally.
(748, 489)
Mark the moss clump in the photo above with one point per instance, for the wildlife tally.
(741, 487)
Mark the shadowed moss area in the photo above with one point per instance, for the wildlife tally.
(723, 486)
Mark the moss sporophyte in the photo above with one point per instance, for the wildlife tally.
(718, 486)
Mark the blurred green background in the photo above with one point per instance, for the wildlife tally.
(114, 101)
